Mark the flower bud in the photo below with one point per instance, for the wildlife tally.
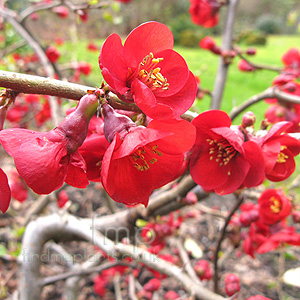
(203, 270)
(251, 51)
(290, 87)
(115, 122)
(190, 199)
(152, 285)
(248, 119)
(296, 216)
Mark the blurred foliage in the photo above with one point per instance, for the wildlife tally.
(269, 24)
(251, 38)
(189, 38)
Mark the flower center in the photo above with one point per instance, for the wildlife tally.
(281, 156)
(143, 156)
(221, 151)
(275, 205)
(149, 74)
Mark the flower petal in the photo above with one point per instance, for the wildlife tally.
(5, 193)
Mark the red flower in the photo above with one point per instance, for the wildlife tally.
(5, 193)
(100, 285)
(205, 12)
(209, 43)
(147, 71)
(203, 269)
(171, 295)
(19, 189)
(52, 54)
(274, 206)
(279, 150)
(62, 199)
(232, 284)
(92, 47)
(141, 159)
(221, 160)
(258, 297)
(244, 66)
(61, 11)
(47, 160)
(152, 285)
(291, 60)
(286, 235)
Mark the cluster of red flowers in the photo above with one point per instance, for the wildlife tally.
(288, 82)
(132, 160)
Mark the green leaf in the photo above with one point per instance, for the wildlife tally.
(191, 246)
(141, 223)
(107, 16)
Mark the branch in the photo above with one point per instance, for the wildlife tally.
(10, 16)
(271, 92)
(220, 240)
(226, 45)
(152, 261)
(31, 84)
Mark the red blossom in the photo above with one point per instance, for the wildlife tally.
(5, 192)
(209, 43)
(92, 47)
(291, 60)
(141, 159)
(279, 150)
(152, 285)
(52, 53)
(48, 159)
(258, 297)
(61, 11)
(221, 160)
(62, 199)
(100, 285)
(244, 66)
(148, 71)
(205, 12)
(203, 269)
(171, 295)
(274, 206)
(232, 284)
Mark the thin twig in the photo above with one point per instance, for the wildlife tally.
(240, 200)
(272, 92)
(117, 287)
(131, 288)
(186, 261)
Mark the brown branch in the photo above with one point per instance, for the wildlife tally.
(32, 84)
(221, 76)
(240, 200)
(272, 92)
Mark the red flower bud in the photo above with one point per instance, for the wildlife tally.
(52, 54)
(152, 285)
(232, 284)
(251, 51)
(203, 270)
(248, 119)
(296, 216)
(171, 295)
(190, 199)
(115, 122)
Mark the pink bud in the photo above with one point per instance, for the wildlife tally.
(290, 86)
(171, 295)
(203, 270)
(296, 216)
(190, 199)
(248, 119)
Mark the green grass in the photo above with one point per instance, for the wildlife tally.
(240, 85)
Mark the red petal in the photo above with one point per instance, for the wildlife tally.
(146, 101)
(239, 169)
(4, 192)
(270, 151)
(76, 175)
(148, 37)
(254, 156)
(211, 119)
(183, 100)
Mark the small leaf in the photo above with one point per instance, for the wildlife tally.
(107, 16)
(191, 246)
(141, 223)
(292, 277)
